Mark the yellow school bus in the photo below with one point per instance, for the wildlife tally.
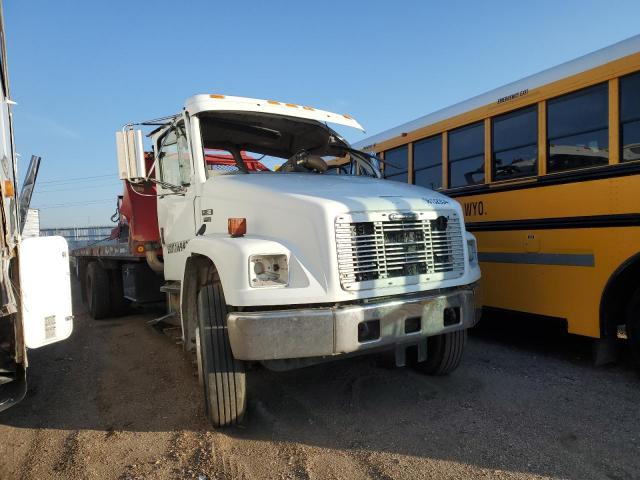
(547, 170)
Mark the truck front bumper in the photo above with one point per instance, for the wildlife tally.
(328, 331)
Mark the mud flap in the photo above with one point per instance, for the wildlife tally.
(13, 392)
(401, 353)
(605, 351)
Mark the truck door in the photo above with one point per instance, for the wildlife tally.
(175, 210)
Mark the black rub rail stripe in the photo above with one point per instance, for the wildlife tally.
(595, 173)
(592, 221)
(568, 259)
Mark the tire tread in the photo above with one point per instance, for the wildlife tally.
(444, 353)
(98, 291)
(225, 391)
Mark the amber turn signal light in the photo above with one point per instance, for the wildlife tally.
(8, 189)
(237, 227)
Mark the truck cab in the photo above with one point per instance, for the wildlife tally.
(292, 266)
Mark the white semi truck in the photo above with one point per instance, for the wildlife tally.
(315, 260)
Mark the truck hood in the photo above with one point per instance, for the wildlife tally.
(296, 213)
(344, 192)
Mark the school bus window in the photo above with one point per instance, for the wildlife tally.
(578, 129)
(630, 117)
(515, 144)
(466, 155)
(427, 162)
(395, 166)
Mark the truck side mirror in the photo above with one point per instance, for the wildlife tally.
(130, 149)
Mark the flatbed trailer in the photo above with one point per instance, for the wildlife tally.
(112, 278)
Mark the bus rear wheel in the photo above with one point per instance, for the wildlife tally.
(444, 353)
(632, 321)
(223, 376)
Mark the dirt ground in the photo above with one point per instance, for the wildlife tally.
(120, 400)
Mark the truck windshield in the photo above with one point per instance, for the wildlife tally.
(223, 162)
(250, 142)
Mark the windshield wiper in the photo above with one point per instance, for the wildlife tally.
(365, 160)
(369, 155)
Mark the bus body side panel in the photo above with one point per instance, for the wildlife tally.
(572, 289)
(550, 250)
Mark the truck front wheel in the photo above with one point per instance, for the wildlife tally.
(97, 291)
(223, 376)
(444, 353)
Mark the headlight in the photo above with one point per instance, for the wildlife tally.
(268, 271)
(472, 250)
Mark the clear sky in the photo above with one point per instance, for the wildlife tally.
(81, 69)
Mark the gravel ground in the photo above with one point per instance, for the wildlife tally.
(119, 400)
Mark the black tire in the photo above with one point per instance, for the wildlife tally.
(119, 305)
(444, 353)
(97, 285)
(632, 323)
(223, 376)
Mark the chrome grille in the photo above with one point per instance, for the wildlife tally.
(386, 251)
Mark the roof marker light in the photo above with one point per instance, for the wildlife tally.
(309, 108)
(292, 105)
(216, 95)
(273, 102)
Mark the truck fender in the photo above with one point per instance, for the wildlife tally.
(229, 256)
(231, 259)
